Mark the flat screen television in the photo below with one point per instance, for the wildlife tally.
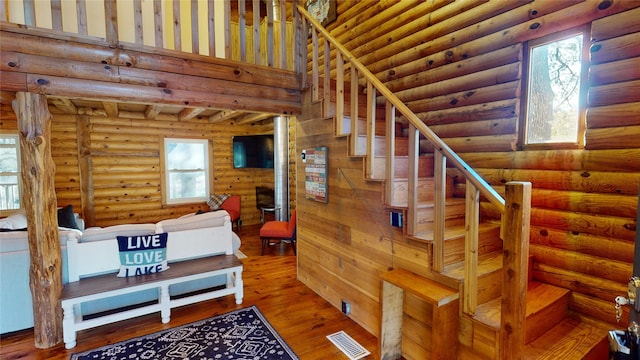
(253, 151)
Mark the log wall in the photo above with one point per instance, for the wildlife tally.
(458, 65)
(109, 168)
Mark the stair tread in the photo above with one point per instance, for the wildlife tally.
(539, 295)
(427, 204)
(570, 339)
(454, 232)
(487, 263)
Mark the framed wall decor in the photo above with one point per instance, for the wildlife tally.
(315, 170)
(325, 11)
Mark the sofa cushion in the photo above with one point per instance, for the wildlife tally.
(66, 218)
(111, 232)
(14, 222)
(141, 255)
(205, 220)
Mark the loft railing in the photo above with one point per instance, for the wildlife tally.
(205, 27)
(514, 210)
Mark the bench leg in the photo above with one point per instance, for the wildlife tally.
(165, 304)
(239, 287)
(68, 327)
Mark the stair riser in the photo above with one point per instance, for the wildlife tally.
(426, 190)
(489, 241)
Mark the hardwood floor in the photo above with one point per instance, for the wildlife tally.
(300, 316)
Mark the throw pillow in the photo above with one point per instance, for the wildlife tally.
(66, 218)
(216, 200)
(141, 255)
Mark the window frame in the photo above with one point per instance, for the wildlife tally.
(18, 173)
(523, 122)
(165, 182)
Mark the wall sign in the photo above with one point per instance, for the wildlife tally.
(315, 170)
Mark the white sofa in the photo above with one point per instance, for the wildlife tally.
(16, 307)
(16, 310)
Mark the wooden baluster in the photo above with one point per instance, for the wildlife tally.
(137, 18)
(354, 112)
(195, 34)
(56, 15)
(339, 94)
(270, 47)
(515, 250)
(111, 22)
(177, 33)
(211, 25)
(440, 191)
(4, 15)
(390, 136)
(371, 130)
(315, 76)
(326, 89)
(257, 59)
(472, 220)
(157, 23)
(412, 183)
(283, 34)
(227, 30)
(242, 23)
(81, 13)
(29, 12)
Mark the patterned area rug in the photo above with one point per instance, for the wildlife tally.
(242, 334)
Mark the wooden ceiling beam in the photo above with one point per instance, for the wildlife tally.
(251, 118)
(224, 115)
(111, 108)
(189, 113)
(151, 112)
(65, 105)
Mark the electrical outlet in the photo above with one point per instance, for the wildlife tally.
(346, 307)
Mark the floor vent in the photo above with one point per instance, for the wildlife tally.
(347, 345)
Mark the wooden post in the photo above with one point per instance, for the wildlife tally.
(515, 269)
(39, 201)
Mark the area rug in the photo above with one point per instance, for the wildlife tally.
(243, 334)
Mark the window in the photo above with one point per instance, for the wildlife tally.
(553, 110)
(9, 173)
(186, 170)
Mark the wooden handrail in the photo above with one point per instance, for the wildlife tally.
(471, 175)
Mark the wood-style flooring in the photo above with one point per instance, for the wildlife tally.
(300, 316)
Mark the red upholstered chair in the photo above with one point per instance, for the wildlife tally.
(279, 230)
(232, 206)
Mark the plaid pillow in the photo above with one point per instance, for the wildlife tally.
(216, 200)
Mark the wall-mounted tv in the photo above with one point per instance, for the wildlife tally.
(253, 151)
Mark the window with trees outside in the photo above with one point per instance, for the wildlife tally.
(186, 170)
(553, 110)
(9, 173)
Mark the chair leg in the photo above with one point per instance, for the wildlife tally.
(293, 246)
(264, 242)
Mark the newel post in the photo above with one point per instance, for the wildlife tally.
(515, 246)
(39, 202)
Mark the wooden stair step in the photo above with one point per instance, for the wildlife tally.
(487, 263)
(547, 305)
(572, 338)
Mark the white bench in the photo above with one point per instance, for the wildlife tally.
(192, 255)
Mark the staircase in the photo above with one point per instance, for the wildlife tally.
(483, 261)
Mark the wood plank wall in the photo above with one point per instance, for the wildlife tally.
(458, 65)
(123, 157)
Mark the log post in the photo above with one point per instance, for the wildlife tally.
(39, 201)
(515, 269)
